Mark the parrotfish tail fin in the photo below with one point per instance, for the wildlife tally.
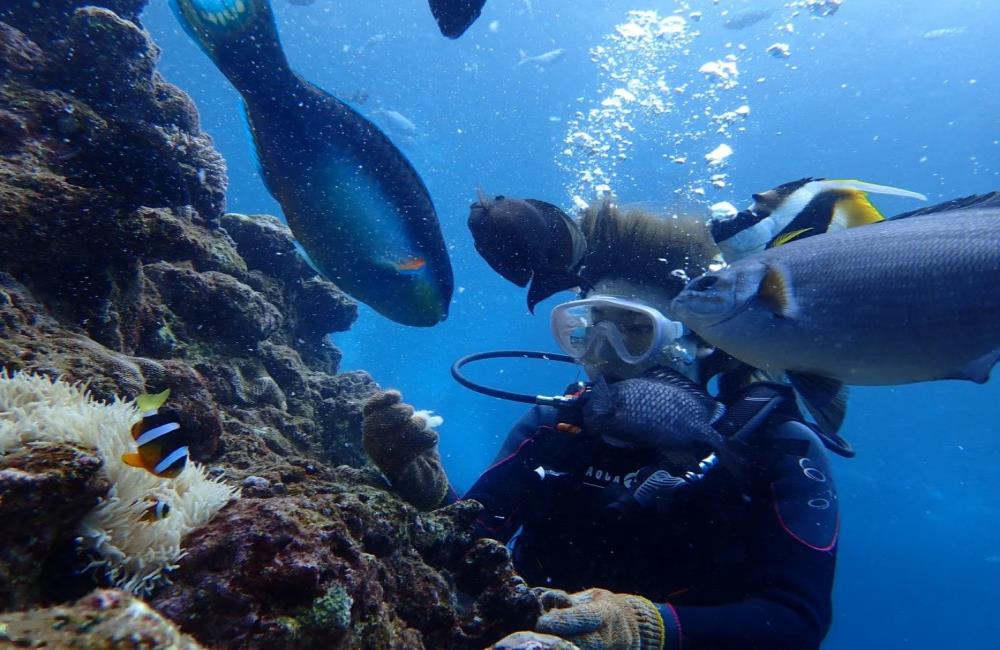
(132, 460)
(599, 398)
(976, 201)
(522, 57)
(409, 265)
(239, 36)
(544, 285)
(305, 257)
(150, 403)
(824, 398)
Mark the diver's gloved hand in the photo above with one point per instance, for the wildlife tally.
(597, 619)
(405, 448)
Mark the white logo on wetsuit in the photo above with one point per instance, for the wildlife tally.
(609, 478)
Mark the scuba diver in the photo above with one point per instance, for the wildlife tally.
(645, 512)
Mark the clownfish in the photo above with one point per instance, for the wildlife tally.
(156, 511)
(161, 449)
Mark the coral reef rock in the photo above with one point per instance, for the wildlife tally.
(146, 283)
(103, 619)
(348, 566)
(46, 489)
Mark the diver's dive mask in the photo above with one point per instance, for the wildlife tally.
(635, 331)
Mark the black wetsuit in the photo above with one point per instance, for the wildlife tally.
(731, 562)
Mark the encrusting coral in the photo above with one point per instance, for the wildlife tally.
(134, 551)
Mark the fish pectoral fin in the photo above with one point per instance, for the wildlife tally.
(546, 284)
(824, 397)
(978, 370)
(854, 209)
(775, 292)
(133, 460)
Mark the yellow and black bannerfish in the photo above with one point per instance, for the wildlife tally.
(161, 442)
(802, 208)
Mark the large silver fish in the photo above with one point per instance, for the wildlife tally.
(914, 298)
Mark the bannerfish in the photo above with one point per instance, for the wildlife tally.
(746, 18)
(910, 299)
(543, 60)
(802, 208)
(161, 442)
(525, 240)
(667, 413)
(351, 198)
(455, 16)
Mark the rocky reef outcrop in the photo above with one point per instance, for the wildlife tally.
(122, 270)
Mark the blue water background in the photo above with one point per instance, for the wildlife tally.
(863, 95)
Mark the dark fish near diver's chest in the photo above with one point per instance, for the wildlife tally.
(663, 415)
(357, 206)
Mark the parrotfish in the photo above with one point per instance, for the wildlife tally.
(529, 240)
(455, 16)
(910, 299)
(161, 442)
(802, 208)
(352, 200)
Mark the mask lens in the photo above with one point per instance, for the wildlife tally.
(581, 327)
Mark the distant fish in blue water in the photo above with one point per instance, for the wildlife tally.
(352, 200)
(746, 17)
(161, 442)
(455, 16)
(543, 60)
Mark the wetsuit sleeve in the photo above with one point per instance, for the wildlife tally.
(791, 576)
(502, 486)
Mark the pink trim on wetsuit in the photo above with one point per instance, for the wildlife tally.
(677, 621)
(496, 527)
(777, 511)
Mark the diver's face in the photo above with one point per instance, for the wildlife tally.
(637, 333)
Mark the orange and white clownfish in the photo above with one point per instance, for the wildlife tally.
(162, 451)
(156, 511)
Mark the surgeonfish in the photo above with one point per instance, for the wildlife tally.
(526, 240)
(161, 442)
(806, 207)
(669, 414)
(455, 16)
(910, 299)
(543, 60)
(352, 200)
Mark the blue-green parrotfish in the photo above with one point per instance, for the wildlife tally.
(352, 200)
(909, 299)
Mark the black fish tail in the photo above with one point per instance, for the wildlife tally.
(825, 398)
(240, 37)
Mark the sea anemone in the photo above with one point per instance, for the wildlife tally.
(133, 548)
